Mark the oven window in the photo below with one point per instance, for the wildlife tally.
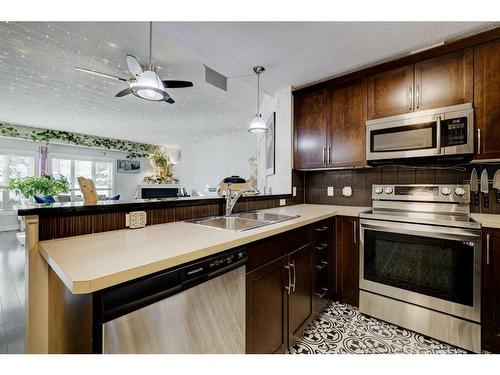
(435, 267)
(404, 138)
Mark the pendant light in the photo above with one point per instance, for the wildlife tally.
(258, 125)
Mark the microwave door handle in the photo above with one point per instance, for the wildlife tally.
(438, 135)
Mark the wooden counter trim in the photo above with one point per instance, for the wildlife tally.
(37, 292)
(139, 205)
(79, 223)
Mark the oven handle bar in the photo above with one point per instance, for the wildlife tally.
(422, 230)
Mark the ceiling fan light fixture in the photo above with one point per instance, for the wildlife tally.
(149, 86)
(257, 125)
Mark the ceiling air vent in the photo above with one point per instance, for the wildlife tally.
(215, 78)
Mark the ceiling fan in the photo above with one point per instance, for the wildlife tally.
(145, 84)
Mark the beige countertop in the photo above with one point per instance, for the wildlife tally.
(487, 220)
(96, 261)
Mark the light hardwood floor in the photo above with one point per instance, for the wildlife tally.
(12, 294)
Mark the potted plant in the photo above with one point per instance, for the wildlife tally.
(45, 184)
(163, 168)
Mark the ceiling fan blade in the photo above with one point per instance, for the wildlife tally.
(124, 92)
(133, 65)
(169, 100)
(171, 84)
(96, 73)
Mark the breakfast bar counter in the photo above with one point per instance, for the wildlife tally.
(93, 262)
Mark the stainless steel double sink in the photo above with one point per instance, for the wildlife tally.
(242, 221)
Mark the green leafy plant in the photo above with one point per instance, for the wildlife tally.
(133, 149)
(160, 159)
(45, 184)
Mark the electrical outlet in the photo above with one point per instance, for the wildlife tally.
(136, 219)
(347, 191)
(294, 191)
(330, 191)
(282, 202)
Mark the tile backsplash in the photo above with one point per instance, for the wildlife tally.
(314, 184)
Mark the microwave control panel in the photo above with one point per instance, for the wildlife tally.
(454, 131)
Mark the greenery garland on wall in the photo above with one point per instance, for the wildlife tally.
(133, 149)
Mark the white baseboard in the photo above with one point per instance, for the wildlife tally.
(6, 228)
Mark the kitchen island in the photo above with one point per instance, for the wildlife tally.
(82, 265)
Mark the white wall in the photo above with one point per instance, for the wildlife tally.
(125, 184)
(206, 162)
(281, 181)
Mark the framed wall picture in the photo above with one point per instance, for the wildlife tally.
(271, 145)
(128, 166)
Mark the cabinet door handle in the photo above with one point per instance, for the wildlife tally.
(321, 229)
(322, 265)
(478, 141)
(324, 158)
(488, 249)
(292, 265)
(288, 288)
(322, 293)
(410, 97)
(328, 155)
(355, 227)
(418, 97)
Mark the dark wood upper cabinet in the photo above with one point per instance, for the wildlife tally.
(348, 126)
(491, 291)
(390, 93)
(300, 302)
(487, 100)
(444, 81)
(439, 82)
(266, 305)
(347, 259)
(310, 128)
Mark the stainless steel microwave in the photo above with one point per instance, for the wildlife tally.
(436, 132)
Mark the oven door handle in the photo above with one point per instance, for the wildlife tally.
(423, 231)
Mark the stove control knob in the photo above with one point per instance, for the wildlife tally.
(388, 190)
(459, 191)
(379, 190)
(446, 191)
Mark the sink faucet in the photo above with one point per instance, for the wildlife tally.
(231, 200)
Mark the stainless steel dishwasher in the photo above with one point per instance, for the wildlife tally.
(197, 308)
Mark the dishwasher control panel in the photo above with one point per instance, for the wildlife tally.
(215, 263)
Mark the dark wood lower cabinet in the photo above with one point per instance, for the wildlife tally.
(491, 291)
(300, 299)
(347, 259)
(266, 308)
(280, 294)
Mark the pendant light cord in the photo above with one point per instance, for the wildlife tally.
(258, 92)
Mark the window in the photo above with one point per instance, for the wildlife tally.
(13, 165)
(99, 170)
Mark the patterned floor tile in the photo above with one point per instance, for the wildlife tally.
(342, 329)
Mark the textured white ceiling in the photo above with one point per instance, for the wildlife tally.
(40, 87)
(297, 53)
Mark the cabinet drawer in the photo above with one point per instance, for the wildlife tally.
(269, 249)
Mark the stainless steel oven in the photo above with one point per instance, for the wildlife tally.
(420, 261)
(437, 132)
(430, 266)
